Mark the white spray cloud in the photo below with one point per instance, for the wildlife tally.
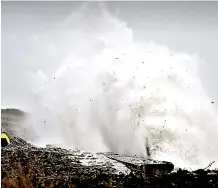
(110, 93)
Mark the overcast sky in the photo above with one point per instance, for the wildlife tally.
(190, 27)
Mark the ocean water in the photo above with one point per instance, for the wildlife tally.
(111, 93)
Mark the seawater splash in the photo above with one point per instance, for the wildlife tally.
(111, 93)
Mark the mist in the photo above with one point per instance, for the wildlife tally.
(89, 81)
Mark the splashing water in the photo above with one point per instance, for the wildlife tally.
(110, 93)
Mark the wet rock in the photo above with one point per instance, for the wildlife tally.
(60, 167)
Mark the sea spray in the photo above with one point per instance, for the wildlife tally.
(110, 93)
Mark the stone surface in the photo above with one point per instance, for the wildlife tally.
(61, 167)
(84, 169)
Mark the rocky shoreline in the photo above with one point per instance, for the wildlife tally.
(57, 167)
(27, 166)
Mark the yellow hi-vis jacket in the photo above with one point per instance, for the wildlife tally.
(4, 140)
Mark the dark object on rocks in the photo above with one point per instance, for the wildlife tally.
(4, 140)
(148, 167)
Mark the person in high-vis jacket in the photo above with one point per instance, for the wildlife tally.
(5, 140)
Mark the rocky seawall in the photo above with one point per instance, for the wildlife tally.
(25, 165)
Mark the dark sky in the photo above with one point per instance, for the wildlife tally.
(190, 27)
